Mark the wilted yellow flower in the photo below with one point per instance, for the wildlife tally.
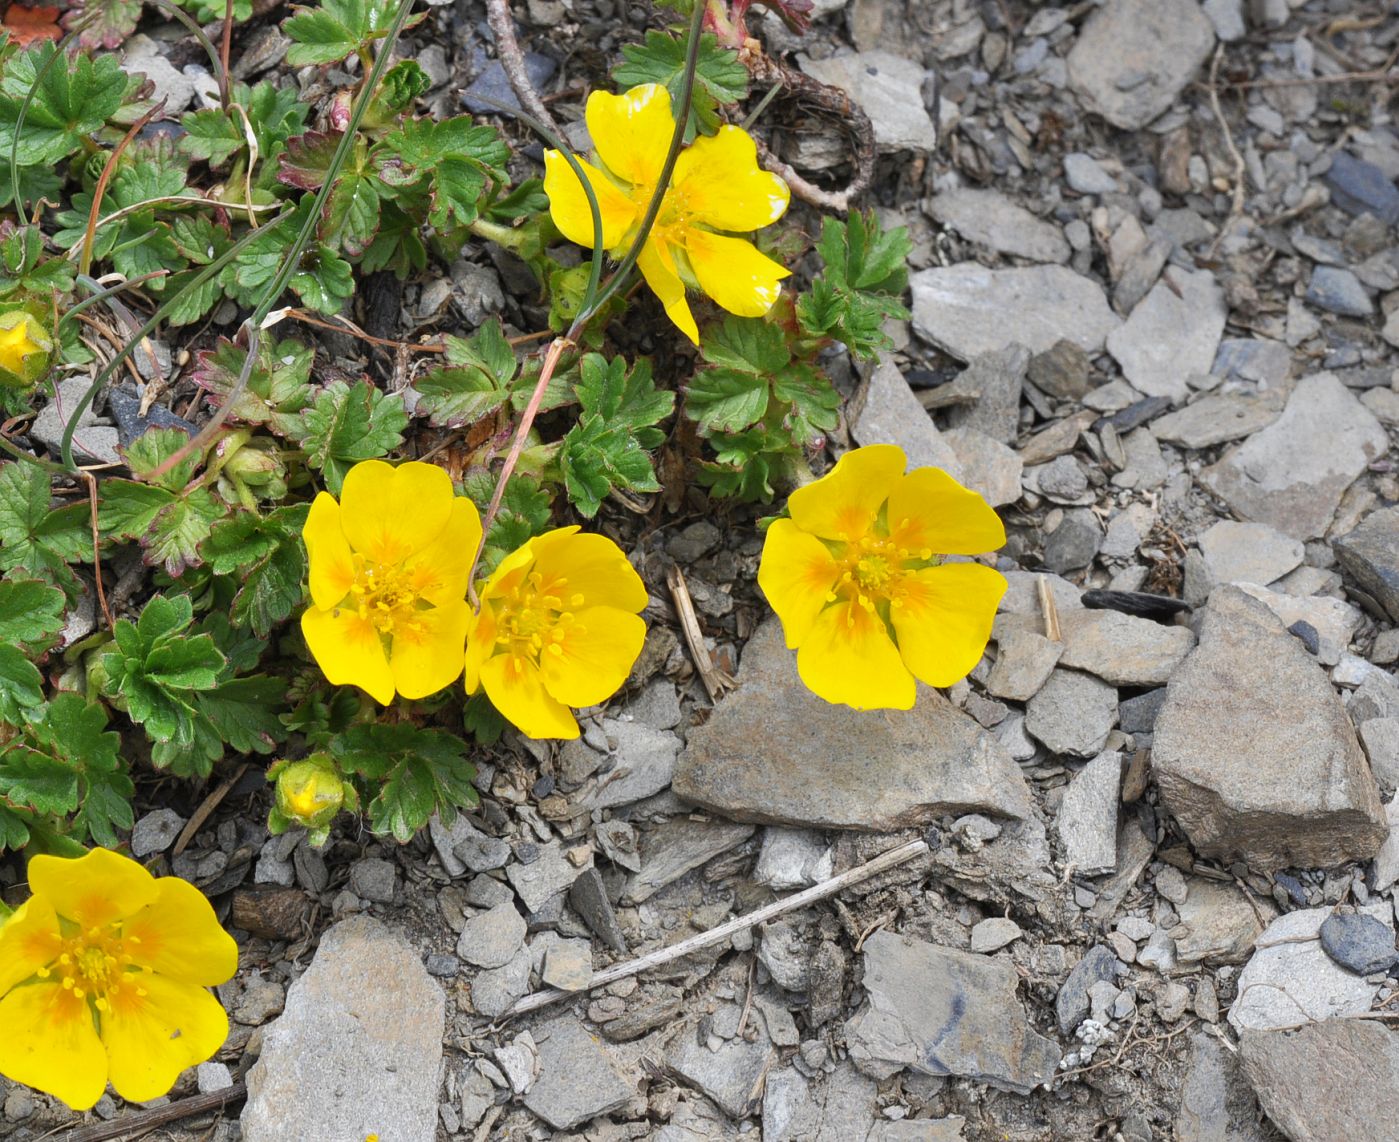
(310, 792)
(389, 565)
(717, 186)
(857, 579)
(102, 977)
(24, 348)
(558, 627)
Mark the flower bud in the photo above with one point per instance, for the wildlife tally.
(24, 349)
(310, 792)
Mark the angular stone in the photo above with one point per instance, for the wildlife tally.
(997, 380)
(963, 309)
(1358, 942)
(1024, 660)
(1333, 620)
(1074, 543)
(1217, 923)
(1369, 555)
(732, 1075)
(1172, 334)
(644, 756)
(889, 89)
(568, 965)
(577, 1079)
(548, 875)
(1087, 818)
(1337, 290)
(1071, 1004)
(1380, 739)
(1072, 713)
(1290, 980)
(1123, 649)
(357, 1047)
(495, 990)
(938, 1011)
(991, 219)
(1133, 57)
(1248, 552)
(891, 414)
(987, 465)
(1219, 418)
(792, 858)
(1326, 1081)
(1292, 474)
(774, 753)
(1253, 752)
(993, 934)
(492, 938)
(1216, 1101)
(676, 846)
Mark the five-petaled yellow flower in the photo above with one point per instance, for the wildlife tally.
(855, 576)
(558, 627)
(717, 186)
(388, 571)
(102, 976)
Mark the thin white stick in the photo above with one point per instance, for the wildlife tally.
(777, 908)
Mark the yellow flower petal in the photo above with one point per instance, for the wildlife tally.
(480, 645)
(657, 264)
(29, 940)
(332, 569)
(429, 658)
(844, 502)
(848, 657)
(943, 618)
(593, 566)
(719, 180)
(389, 514)
(734, 273)
(594, 657)
(439, 572)
(349, 651)
(152, 1037)
(631, 132)
(568, 205)
(180, 937)
(516, 688)
(93, 890)
(930, 511)
(50, 1043)
(797, 574)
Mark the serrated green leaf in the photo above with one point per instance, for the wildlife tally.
(153, 448)
(720, 76)
(423, 772)
(245, 712)
(30, 611)
(596, 457)
(21, 686)
(476, 381)
(864, 278)
(748, 344)
(162, 618)
(175, 534)
(103, 23)
(34, 540)
(37, 781)
(278, 387)
(211, 136)
(14, 828)
(206, 11)
(73, 734)
(105, 806)
(338, 28)
(126, 509)
(347, 424)
(325, 281)
(815, 404)
(270, 558)
(726, 400)
(76, 96)
(620, 398)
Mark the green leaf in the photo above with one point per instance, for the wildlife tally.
(270, 559)
(14, 829)
(326, 280)
(76, 96)
(30, 611)
(126, 509)
(103, 23)
(25, 269)
(153, 448)
(105, 806)
(864, 279)
(748, 344)
(211, 135)
(37, 781)
(347, 424)
(21, 686)
(74, 732)
(175, 534)
(457, 158)
(815, 404)
(596, 457)
(720, 76)
(620, 398)
(724, 400)
(338, 28)
(34, 540)
(423, 772)
(245, 712)
(279, 384)
(525, 509)
(475, 382)
(206, 11)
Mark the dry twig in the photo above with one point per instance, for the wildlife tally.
(133, 1125)
(716, 682)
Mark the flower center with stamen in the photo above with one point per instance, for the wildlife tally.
(384, 595)
(874, 568)
(533, 618)
(95, 965)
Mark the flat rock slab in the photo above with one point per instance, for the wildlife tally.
(939, 1011)
(356, 1050)
(1133, 57)
(1290, 978)
(992, 219)
(1248, 552)
(1172, 334)
(889, 89)
(988, 466)
(1072, 713)
(774, 753)
(1219, 418)
(732, 1076)
(1123, 649)
(1254, 753)
(577, 1080)
(1087, 818)
(1370, 556)
(676, 846)
(1292, 474)
(1327, 1081)
(891, 414)
(1216, 1101)
(964, 309)
(1217, 923)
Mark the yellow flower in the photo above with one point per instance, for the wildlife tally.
(717, 186)
(558, 627)
(389, 565)
(24, 348)
(856, 578)
(102, 976)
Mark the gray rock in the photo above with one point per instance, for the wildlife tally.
(143, 56)
(1219, 418)
(490, 92)
(1248, 552)
(658, 705)
(1217, 923)
(1087, 818)
(1138, 715)
(1369, 555)
(493, 938)
(676, 846)
(1071, 1005)
(1172, 335)
(888, 89)
(891, 414)
(938, 1011)
(374, 878)
(589, 899)
(1387, 859)
(1216, 1101)
(1024, 660)
(210, 1077)
(1074, 543)
(991, 219)
(963, 309)
(1253, 752)
(785, 954)
(996, 380)
(1085, 175)
(645, 764)
(91, 442)
(155, 832)
(1062, 480)
(1380, 739)
(1292, 474)
(1227, 16)
(994, 934)
(774, 753)
(1326, 1081)
(578, 1080)
(1362, 188)
(1358, 942)
(836, 1110)
(1267, 364)
(463, 847)
(1123, 649)
(1133, 57)
(987, 465)
(1337, 290)
(792, 858)
(1159, 954)
(1290, 980)
(1333, 620)
(494, 990)
(731, 1075)
(357, 1049)
(1072, 713)
(518, 1060)
(548, 875)
(1061, 371)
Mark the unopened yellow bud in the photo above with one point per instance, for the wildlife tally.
(24, 349)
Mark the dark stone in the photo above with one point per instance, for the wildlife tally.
(1138, 715)
(1369, 556)
(589, 899)
(490, 92)
(1294, 888)
(1061, 371)
(1140, 603)
(125, 409)
(1071, 1004)
(1074, 542)
(1358, 187)
(1134, 415)
(1339, 291)
(1305, 633)
(442, 965)
(1358, 943)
